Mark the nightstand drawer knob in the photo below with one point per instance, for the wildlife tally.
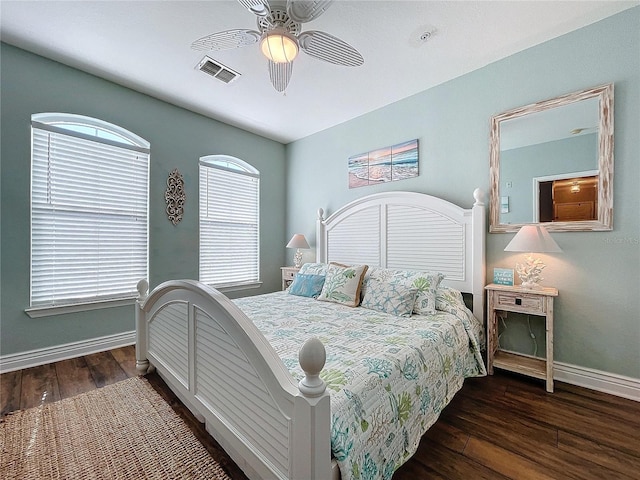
(518, 301)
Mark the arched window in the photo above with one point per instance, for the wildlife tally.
(229, 222)
(89, 203)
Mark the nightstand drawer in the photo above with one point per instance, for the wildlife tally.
(289, 274)
(527, 303)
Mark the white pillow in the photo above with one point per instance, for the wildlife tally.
(342, 284)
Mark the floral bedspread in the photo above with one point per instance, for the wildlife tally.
(389, 377)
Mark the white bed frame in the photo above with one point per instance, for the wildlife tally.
(223, 369)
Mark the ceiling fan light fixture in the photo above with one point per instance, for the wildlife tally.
(279, 46)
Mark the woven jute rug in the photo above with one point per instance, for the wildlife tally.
(122, 431)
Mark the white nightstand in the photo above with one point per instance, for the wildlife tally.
(288, 273)
(521, 300)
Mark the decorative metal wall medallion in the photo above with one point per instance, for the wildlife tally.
(175, 196)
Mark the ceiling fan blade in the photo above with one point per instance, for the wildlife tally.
(306, 10)
(280, 74)
(260, 8)
(226, 40)
(331, 49)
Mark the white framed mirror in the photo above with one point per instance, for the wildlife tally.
(551, 163)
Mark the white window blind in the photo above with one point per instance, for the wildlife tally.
(88, 217)
(229, 222)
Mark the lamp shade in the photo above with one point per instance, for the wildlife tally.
(298, 241)
(533, 238)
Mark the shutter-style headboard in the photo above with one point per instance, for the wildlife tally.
(411, 231)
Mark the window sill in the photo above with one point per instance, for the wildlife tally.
(238, 287)
(47, 311)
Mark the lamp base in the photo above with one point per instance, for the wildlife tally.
(297, 259)
(530, 272)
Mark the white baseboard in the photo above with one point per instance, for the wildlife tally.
(614, 384)
(619, 385)
(33, 358)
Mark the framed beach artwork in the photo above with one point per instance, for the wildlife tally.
(388, 164)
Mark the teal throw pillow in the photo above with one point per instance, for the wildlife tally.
(307, 285)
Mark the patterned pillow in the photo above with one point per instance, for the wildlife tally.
(447, 297)
(391, 294)
(425, 282)
(314, 268)
(305, 285)
(427, 285)
(342, 284)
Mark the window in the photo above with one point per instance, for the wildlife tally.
(229, 222)
(89, 196)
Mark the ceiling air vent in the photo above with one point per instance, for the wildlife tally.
(217, 70)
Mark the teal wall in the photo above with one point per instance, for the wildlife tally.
(32, 84)
(598, 310)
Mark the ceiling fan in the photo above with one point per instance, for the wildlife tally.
(281, 38)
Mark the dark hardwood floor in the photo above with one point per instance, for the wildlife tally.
(499, 427)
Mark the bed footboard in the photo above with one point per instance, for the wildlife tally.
(224, 370)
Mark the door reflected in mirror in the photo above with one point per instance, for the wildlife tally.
(568, 200)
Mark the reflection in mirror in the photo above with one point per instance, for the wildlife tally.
(552, 163)
(565, 197)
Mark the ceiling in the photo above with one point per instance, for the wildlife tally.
(146, 45)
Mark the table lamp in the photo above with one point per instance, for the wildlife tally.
(532, 239)
(298, 242)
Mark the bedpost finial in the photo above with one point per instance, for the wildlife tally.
(143, 288)
(312, 357)
(320, 214)
(478, 195)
